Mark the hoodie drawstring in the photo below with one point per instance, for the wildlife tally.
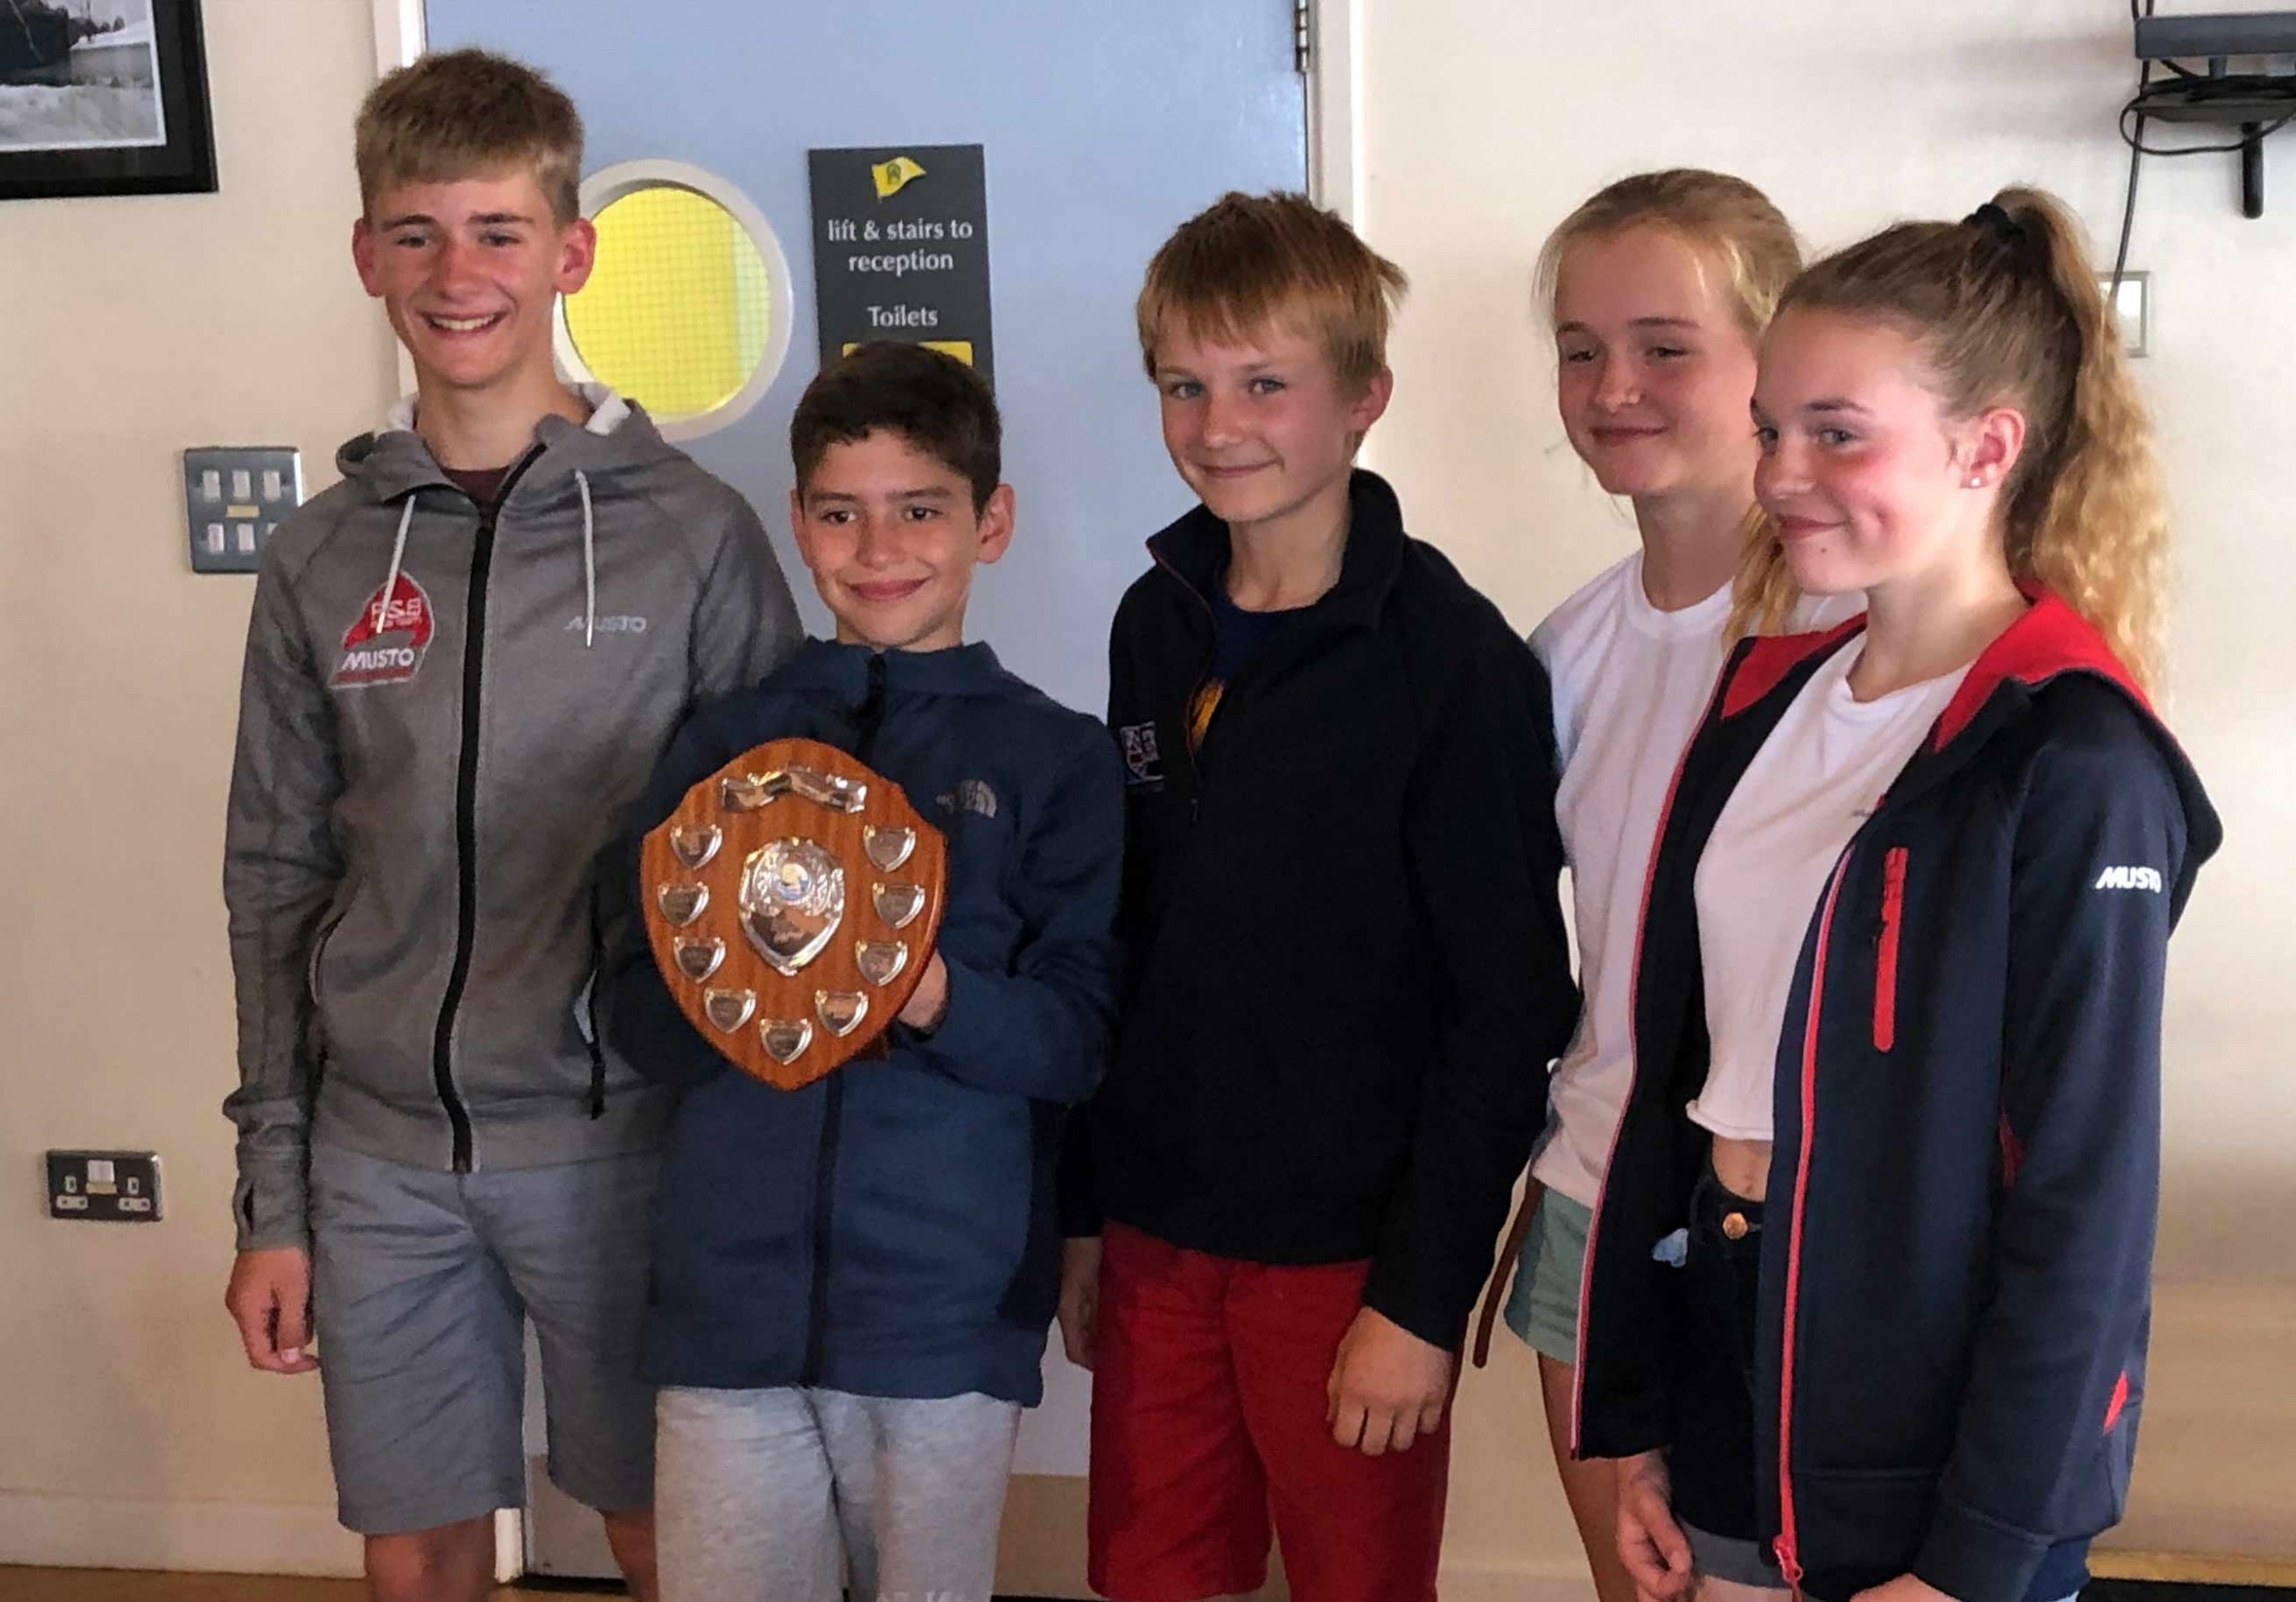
(589, 563)
(398, 558)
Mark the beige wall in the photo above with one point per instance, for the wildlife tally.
(134, 1431)
(1483, 121)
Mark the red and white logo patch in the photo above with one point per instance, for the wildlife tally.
(387, 644)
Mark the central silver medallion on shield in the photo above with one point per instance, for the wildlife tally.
(792, 900)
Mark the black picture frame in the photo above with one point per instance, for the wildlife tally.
(183, 164)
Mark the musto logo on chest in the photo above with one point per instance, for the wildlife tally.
(385, 644)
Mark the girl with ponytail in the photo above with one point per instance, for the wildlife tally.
(1868, 1286)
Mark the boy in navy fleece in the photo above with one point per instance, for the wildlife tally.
(853, 1281)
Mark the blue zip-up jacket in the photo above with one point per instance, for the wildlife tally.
(1957, 1253)
(888, 1230)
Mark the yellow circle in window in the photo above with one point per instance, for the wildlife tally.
(676, 314)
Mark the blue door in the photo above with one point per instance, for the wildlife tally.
(1104, 123)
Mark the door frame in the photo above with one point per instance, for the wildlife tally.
(399, 37)
(398, 33)
(1334, 73)
(1334, 88)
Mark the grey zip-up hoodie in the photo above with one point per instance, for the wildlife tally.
(445, 711)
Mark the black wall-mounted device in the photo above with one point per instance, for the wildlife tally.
(2197, 53)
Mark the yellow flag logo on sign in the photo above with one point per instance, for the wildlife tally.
(889, 176)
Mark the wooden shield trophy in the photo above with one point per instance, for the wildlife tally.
(792, 901)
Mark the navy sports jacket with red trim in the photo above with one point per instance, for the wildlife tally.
(1956, 1269)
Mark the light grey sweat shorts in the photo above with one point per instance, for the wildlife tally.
(422, 1282)
(765, 1494)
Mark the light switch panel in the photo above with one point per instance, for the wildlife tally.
(234, 496)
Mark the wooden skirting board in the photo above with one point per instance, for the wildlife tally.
(2193, 1568)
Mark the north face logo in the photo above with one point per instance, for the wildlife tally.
(971, 796)
(385, 644)
(2129, 878)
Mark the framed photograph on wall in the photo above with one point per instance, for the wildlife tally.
(103, 97)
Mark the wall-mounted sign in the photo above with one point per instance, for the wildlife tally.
(900, 250)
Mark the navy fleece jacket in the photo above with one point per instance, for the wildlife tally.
(888, 1230)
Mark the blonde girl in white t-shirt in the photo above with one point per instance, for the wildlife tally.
(1658, 287)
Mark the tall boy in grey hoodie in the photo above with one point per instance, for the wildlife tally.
(463, 663)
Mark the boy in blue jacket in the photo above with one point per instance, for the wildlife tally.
(853, 1281)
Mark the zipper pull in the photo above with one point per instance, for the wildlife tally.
(870, 715)
(1789, 1563)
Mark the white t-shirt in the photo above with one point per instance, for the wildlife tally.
(1631, 683)
(1819, 776)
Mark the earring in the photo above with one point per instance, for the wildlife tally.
(1976, 483)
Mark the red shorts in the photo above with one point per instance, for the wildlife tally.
(1209, 1409)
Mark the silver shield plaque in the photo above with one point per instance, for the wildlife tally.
(681, 904)
(899, 904)
(729, 1009)
(784, 1039)
(881, 960)
(694, 846)
(840, 1011)
(888, 848)
(699, 959)
(753, 792)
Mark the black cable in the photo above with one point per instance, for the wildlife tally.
(2127, 221)
(2135, 142)
(2135, 155)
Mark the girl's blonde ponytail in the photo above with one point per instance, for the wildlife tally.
(2005, 308)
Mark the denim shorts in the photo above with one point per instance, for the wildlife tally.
(1543, 1305)
(1712, 1460)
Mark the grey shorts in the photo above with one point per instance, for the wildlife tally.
(764, 1491)
(421, 1284)
(1543, 1305)
(1727, 1557)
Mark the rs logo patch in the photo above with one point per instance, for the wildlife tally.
(385, 644)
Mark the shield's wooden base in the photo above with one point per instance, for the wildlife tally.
(789, 1030)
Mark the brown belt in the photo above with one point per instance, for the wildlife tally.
(1503, 1272)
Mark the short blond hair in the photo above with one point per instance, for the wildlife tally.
(1254, 261)
(1726, 218)
(466, 113)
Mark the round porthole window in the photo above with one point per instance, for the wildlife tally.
(688, 309)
